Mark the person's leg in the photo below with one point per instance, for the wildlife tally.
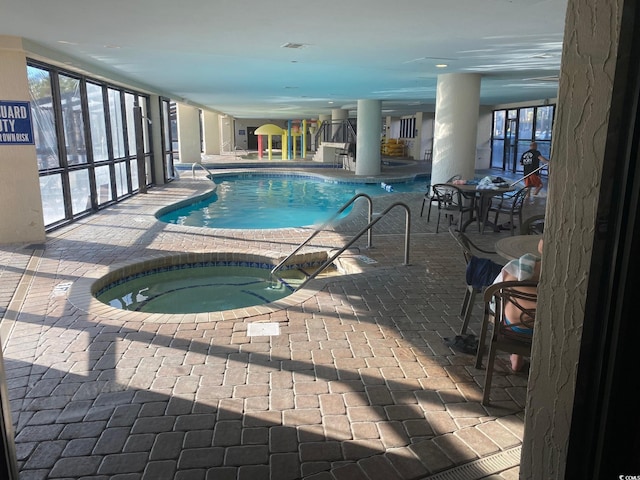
(517, 362)
(528, 183)
(538, 184)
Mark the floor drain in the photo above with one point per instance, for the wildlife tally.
(263, 329)
(365, 259)
(481, 468)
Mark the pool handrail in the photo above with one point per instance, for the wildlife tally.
(327, 223)
(193, 169)
(407, 227)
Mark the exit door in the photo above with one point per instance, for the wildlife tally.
(511, 145)
(252, 139)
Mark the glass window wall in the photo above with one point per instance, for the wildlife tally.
(73, 123)
(97, 122)
(44, 122)
(514, 129)
(85, 142)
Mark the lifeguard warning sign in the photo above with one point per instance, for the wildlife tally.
(15, 123)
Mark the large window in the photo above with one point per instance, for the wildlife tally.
(44, 122)
(514, 129)
(73, 122)
(84, 133)
(97, 122)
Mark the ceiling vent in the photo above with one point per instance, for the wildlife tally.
(292, 45)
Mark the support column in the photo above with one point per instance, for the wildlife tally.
(337, 115)
(211, 132)
(189, 134)
(21, 218)
(456, 126)
(368, 144)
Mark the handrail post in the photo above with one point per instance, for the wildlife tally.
(193, 169)
(323, 226)
(407, 232)
(361, 232)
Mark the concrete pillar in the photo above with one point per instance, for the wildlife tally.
(211, 132)
(368, 144)
(189, 149)
(337, 115)
(21, 218)
(456, 126)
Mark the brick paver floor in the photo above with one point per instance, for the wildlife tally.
(357, 385)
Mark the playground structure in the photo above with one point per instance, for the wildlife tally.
(292, 136)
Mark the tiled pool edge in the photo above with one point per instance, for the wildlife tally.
(81, 293)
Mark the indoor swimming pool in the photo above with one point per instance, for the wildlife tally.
(264, 201)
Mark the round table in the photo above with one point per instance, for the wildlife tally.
(482, 199)
(514, 247)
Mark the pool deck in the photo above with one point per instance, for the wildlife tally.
(357, 385)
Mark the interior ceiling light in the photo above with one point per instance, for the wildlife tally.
(292, 45)
(441, 65)
(422, 59)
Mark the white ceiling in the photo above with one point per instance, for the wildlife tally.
(227, 55)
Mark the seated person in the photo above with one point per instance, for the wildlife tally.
(527, 267)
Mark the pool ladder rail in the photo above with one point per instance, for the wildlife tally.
(196, 164)
(371, 221)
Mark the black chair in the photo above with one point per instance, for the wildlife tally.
(431, 198)
(533, 225)
(451, 201)
(473, 255)
(513, 335)
(510, 205)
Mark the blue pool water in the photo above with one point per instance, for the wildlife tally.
(256, 201)
(198, 288)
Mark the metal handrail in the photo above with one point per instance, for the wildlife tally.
(193, 169)
(325, 224)
(529, 174)
(330, 260)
